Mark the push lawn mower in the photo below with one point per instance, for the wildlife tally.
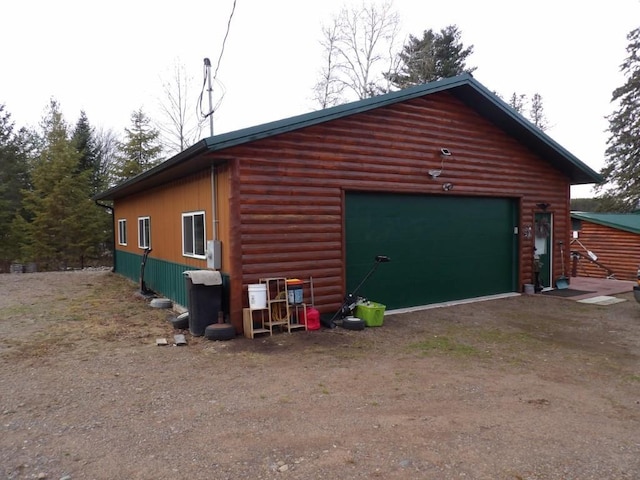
(351, 299)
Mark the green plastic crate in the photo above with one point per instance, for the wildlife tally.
(371, 312)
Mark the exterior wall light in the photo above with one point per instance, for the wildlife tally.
(435, 173)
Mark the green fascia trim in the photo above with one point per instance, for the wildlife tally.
(464, 87)
(629, 222)
(163, 277)
(270, 129)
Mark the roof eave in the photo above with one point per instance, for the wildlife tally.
(134, 184)
(464, 87)
(503, 115)
(598, 221)
(250, 134)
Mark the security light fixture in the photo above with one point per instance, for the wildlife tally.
(436, 172)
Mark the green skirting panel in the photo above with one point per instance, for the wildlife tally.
(164, 278)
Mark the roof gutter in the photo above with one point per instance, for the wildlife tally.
(465, 87)
(193, 151)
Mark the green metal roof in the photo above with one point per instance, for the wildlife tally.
(629, 222)
(463, 87)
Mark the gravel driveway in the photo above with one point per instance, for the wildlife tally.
(528, 387)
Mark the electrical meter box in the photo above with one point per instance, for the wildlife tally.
(214, 259)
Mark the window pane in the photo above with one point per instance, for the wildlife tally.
(198, 234)
(122, 232)
(141, 233)
(147, 233)
(144, 230)
(187, 234)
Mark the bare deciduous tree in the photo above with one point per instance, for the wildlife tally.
(107, 151)
(359, 49)
(535, 112)
(517, 102)
(328, 90)
(181, 127)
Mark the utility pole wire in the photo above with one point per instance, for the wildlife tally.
(207, 73)
(224, 41)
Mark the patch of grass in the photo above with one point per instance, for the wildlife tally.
(632, 378)
(94, 313)
(496, 336)
(444, 344)
(18, 310)
(252, 359)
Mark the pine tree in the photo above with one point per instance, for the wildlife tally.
(84, 142)
(622, 163)
(435, 56)
(15, 149)
(61, 230)
(97, 221)
(141, 148)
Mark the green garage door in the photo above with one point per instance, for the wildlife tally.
(441, 247)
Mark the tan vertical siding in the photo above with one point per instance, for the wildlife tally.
(616, 249)
(165, 206)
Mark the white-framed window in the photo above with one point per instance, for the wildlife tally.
(193, 234)
(144, 232)
(122, 231)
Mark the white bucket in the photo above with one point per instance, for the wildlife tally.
(529, 289)
(258, 295)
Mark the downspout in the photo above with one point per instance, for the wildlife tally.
(214, 215)
(113, 231)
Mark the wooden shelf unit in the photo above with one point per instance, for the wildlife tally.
(277, 313)
(249, 320)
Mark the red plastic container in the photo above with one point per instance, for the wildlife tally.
(313, 319)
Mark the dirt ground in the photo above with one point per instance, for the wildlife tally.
(530, 387)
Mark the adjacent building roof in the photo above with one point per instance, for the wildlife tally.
(629, 222)
(463, 87)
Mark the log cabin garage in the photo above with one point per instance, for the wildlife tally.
(457, 188)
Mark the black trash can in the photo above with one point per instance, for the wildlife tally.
(204, 294)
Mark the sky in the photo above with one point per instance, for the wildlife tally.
(111, 58)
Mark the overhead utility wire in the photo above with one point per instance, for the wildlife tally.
(224, 41)
(208, 64)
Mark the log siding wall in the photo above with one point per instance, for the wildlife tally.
(287, 191)
(616, 249)
(280, 200)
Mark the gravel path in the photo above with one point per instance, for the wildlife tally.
(519, 388)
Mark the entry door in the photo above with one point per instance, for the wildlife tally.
(543, 235)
